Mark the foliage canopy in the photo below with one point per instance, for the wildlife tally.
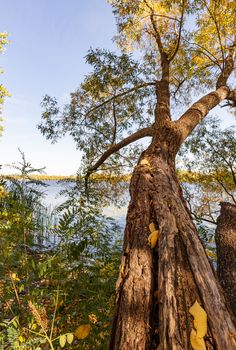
(190, 45)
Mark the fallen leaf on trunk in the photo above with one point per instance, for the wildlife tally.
(197, 342)
(152, 239)
(200, 325)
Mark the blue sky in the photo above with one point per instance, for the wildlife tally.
(48, 42)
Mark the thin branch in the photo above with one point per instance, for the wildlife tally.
(196, 217)
(210, 212)
(185, 79)
(115, 121)
(218, 152)
(233, 173)
(120, 95)
(178, 87)
(215, 62)
(155, 15)
(232, 96)
(179, 34)
(228, 67)
(157, 34)
(168, 17)
(91, 126)
(116, 147)
(218, 32)
(205, 52)
(226, 190)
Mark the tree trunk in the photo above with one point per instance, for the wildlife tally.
(156, 287)
(226, 252)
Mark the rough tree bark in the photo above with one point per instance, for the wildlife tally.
(157, 287)
(226, 252)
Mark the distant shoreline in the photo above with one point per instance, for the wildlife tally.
(44, 177)
(40, 177)
(183, 176)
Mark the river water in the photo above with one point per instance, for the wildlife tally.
(52, 199)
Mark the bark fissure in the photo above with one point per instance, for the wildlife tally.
(226, 252)
(182, 276)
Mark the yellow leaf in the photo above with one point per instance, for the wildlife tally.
(93, 318)
(152, 227)
(196, 342)
(70, 338)
(14, 276)
(62, 340)
(211, 254)
(21, 339)
(82, 331)
(200, 319)
(152, 239)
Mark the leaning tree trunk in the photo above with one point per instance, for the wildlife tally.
(226, 252)
(156, 287)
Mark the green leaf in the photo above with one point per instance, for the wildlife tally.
(15, 323)
(42, 340)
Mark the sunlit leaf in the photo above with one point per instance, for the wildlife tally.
(82, 331)
(70, 338)
(62, 340)
(93, 318)
(200, 319)
(152, 238)
(197, 343)
(21, 339)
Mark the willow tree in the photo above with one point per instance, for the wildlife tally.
(183, 48)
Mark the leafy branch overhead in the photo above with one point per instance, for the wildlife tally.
(109, 103)
(182, 48)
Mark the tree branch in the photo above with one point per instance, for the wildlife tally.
(179, 34)
(226, 190)
(228, 68)
(168, 17)
(205, 52)
(157, 34)
(120, 95)
(217, 30)
(232, 97)
(116, 147)
(197, 218)
(115, 122)
(198, 111)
